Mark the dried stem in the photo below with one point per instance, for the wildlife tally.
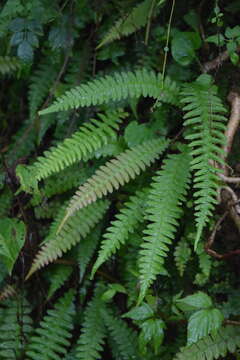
(217, 62)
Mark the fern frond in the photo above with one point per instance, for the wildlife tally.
(15, 328)
(130, 23)
(86, 249)
(117, 87)
(126, 222)
(7, 292)
(9, 64)
(213, 346)
(68, 178)
(124, 337)
(205, 124)
(58, 276)
(53, 336)
(116, 172)
(182, 254)
(41, 82)
(81, 145)
(91, 340)
(75, 228)
(163, 211)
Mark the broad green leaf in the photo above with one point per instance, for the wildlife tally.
(232, 32)
(112, 290)
(152, 332)
(200, 300)
(202, 323)
(217, 39)
(184, 45)
(12, 236)
(142, 312)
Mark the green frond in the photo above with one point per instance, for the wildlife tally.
(9, 64)
(117, 87)
(86, 249)
(48, 209)
(164, 208)
(124, 337)
(67, 179)
(91, 340)
(213, 346)
(41, 82)
(182, 255)
(15, 328)
(128, 24)
(52, 338)
(74, 229)
(205, 125)
(116, 172)
(126, 222)
(81, 145)
(58, 276)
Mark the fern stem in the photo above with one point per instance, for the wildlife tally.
(149, 22)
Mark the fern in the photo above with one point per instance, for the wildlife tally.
(9, 64)
(164, 209)
(52, 338)
(77, 227)
(133, 21)
(86, 249)
(116, 172)
(117, 87)
(70, 177)
(41, 82)
(58, 276)
(15, 328)
(205, 124)
(82, 144)
(91, 340)
(213, 346)
(7, 292)
(182, 254)
(124, 337)
(126, 222)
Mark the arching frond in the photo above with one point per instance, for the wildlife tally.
(52, 338)
(85, 250)
(81, 145)
(163, 211)
(41, 82)
(67, 179)
(205, 125)
(117, 87)
(75, 228)
(129, 23)
(213, 346)
(15, 328)
(182, 254)
(91, 340)
(126, 222)
(9, 64)
(57, 276)
(116, 172)
(124, 337)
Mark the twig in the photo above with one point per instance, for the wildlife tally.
(217, 62)
(229, 179)
(211, 240)
(232, 322)
(233, 124)
(149, 22)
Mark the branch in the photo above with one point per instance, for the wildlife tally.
(217, 62)
(211, 240)
(233, 124)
